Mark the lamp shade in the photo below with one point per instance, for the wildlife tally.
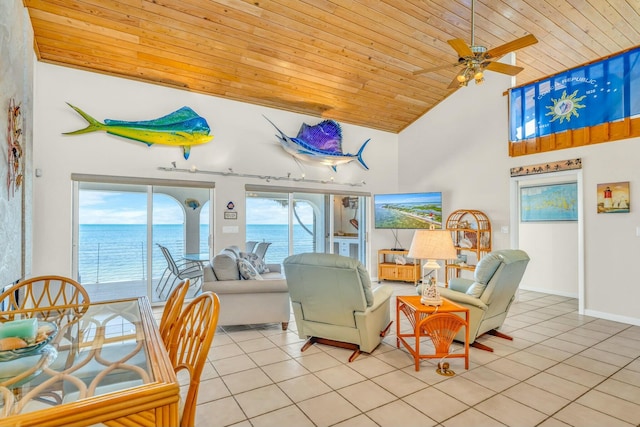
(432, 244)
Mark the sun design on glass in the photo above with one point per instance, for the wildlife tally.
(565, 107)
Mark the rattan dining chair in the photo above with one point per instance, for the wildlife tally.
(57, 292)
(172, 309)
(66, 300)
(190, 341)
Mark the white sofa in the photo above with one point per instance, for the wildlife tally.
(246, 302)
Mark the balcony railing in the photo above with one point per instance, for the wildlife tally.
(103, 262)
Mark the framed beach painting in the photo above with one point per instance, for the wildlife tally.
(613, 197)
(553, 202)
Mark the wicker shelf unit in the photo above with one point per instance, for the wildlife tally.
(471, 233)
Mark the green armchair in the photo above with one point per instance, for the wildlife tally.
(333, 302)
(489, 296)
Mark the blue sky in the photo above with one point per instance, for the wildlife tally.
(106, 207)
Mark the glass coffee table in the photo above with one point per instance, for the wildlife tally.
(420, 316)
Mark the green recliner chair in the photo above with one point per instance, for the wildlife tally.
(333, 302)
(489, 296)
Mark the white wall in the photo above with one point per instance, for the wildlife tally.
(461, 148)
(243, 140)
(552, 246)
(455, 149)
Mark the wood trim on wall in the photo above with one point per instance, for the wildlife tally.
(606, 132)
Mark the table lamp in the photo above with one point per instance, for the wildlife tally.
(432, 245)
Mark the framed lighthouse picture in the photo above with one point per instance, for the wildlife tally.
(613, 197)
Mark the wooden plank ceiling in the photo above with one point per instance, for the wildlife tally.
(349, 60)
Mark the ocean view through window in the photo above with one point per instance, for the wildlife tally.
(116, 252)
(118, 226)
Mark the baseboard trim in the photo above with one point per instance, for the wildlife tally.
(613, 317)
(549, 291)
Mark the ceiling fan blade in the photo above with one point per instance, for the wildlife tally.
(502, 50)
(460, 47)
(454, 83)
(440, 67)
(499, 67)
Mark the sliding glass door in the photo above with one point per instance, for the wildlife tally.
(349, 226)
(112, 235)
(308, 222)
(120, 227)
(299, 222)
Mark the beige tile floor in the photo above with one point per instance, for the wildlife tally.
(561, 369)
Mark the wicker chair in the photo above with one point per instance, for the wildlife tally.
(65, 302)
(190, 341)
(57, 292)
(172, 310)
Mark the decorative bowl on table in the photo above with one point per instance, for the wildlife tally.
(46, 332)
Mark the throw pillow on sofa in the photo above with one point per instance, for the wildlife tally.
(225, 266)
(247, 270)
(256, 261)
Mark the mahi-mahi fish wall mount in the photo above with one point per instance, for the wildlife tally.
(321, 143)
(182, 128)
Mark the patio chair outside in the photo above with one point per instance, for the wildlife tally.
(261, 249)
(250, 246)
(177, 272)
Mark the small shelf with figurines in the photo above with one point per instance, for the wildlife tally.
(471, 234)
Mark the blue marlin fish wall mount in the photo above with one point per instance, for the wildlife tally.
(321, 143)
(182, 128)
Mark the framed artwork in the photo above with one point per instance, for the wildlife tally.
(231, 215)
(553, 202)
(613, 197)
(12, 176)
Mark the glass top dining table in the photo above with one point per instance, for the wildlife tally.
(104, 363)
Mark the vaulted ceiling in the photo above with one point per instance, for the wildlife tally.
(349, 60)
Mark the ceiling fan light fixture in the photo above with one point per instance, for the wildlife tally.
(474, 59)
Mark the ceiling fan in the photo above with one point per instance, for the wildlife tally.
(475, 59)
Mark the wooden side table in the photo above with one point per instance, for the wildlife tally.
(389, 270)
(418, 315)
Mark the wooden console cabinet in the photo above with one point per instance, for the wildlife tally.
(389, 270)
